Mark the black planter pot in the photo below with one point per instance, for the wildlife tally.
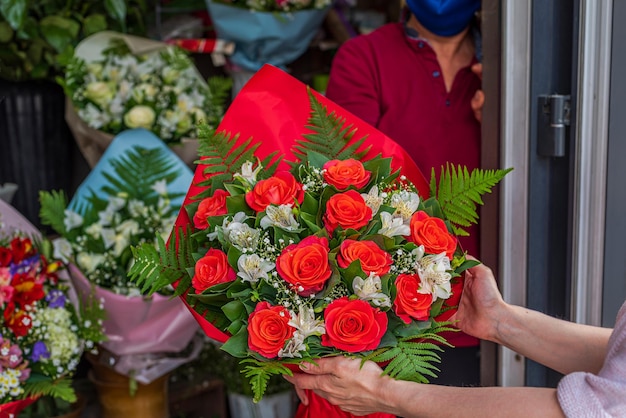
(37, 150)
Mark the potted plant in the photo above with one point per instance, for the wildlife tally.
(36, 39)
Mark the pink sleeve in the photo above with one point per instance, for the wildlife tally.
(353, 82)
(602, 395)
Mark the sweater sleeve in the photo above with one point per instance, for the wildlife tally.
(603, 395)
(352, 83)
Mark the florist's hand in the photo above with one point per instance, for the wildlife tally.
(343, 382)
(481, 305)
(479, 97)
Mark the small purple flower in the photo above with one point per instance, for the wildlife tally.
(55, 299)
(39, 351)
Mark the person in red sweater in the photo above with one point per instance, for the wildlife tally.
(418, 81)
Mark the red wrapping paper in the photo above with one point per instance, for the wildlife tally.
(273, 108)
(13, 409)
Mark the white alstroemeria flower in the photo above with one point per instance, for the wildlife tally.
(305, 323)
(137, 208)
(370, 290)
(128, 227)
(95, 230)
(433, 270)
(160, 187)
(248, 175)
(106, 217)
(94, 117)
(116, 203)
(89, 262)
(252, 268)
(62, 249)
(72, 220)
(280, 216)
(393, 226)
(242, 236)
(125, 90)
(293, 347)
(405, 203)
(108, 237)
(372, 199)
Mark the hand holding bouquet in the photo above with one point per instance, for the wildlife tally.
(332, 251)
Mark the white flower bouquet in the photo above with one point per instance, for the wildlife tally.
(117, 82)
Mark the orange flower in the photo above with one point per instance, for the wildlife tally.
(269, 329)
(353, 325)
(409, 303)
(432, 233)
(211, 206)
(280, 189)
(347, 210)
(305, 265)
(212, 269)
(345, 173)
(372, 258)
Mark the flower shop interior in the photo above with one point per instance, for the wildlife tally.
(104, 111)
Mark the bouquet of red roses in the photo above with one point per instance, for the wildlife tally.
(330, 244)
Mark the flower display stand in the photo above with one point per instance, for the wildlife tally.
(279, 405)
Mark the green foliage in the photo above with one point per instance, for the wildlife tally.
(40, 385)
(155, 268)
(37, 38)
(223, 159)
(459, 192)
(330, 136)
(260, 372)
(52, 209)
(413, 358)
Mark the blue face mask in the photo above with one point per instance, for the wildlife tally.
(444, 17)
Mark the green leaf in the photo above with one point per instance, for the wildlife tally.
(59, 32)
(94, 23)
(234, 310)
(6, 32)
(459, 192)
(117, 10)
(39, 385)
(52, 210)
(14, 12)
(330, 136)
(237, 345)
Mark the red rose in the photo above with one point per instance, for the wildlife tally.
(280, 189)
(22, 248)
(372, 258)
(432, 233)
(211, 206)
(346, 173)
(409, 302)
(353, 325)
(347, 210)
(269, 329)
(212, 269)
(305, 265)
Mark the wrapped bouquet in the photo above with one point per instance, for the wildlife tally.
(273, 32)
(307, 233)
(133, 194)
(42, 334)
(117, 82)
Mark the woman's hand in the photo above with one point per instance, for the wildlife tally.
(344, 383)
(479, 97)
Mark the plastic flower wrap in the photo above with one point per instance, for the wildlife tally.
(133, 194)
(117, 82)
(42, 333)
(312, 235)
(274, 32)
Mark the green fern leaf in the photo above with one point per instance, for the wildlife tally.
(223, 159)
(459, 192)
(330, 135)
(259, 374)
(52, 209)
(155, 269)
(39, 385)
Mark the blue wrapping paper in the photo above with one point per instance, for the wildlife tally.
(265, 37)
